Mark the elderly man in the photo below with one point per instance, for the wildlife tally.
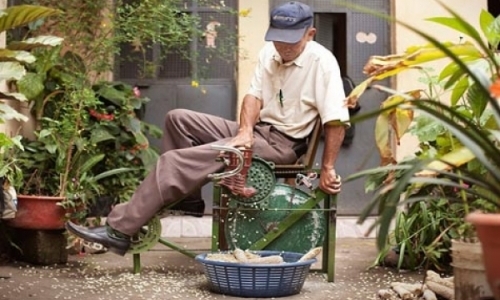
(295, 81)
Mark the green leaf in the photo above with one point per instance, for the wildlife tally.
(31, 85)
(448, 70)
(148, 157)
(113, 95)
(458, 91)
(52, 149)
(457, 24)
(100, 135)
(44, 133)
(89, 163)
(136, 103)
(490, 27)
(426, 129)
(20, 15)
(133, 125)
(111, 173)
(477, 100)
(457, 76)
(472, 32)
(456, 157)
(141, 138)
(470, 135)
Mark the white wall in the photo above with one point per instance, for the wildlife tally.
(252, 29)
(10, 126)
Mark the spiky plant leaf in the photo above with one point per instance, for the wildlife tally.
(35, 42)
(8, 113)
(20, 56)
(13, 96)
(11, 71)
(20, 15)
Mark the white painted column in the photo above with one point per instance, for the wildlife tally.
(10, 127)
(252, 29)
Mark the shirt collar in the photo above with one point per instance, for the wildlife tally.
(299, 61)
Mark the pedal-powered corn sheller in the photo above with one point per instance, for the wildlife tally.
(257, 212)
(265, 214)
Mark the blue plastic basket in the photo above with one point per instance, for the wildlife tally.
(257, 280)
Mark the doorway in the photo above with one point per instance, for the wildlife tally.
(494, 7)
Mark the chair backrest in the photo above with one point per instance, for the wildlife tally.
(305, 161)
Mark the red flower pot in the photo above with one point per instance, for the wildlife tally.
(38, 212)
(488, 231)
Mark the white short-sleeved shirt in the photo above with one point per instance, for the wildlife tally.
(308, 86)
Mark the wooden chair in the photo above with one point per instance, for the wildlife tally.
(304, 165)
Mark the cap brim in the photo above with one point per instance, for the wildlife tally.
(291, 36)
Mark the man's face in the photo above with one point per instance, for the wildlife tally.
(289, 52)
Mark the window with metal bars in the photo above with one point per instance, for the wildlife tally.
(194, 60)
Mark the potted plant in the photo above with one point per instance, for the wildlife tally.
(67, 159)
(14, 57)
(49, 160)
(470, 117)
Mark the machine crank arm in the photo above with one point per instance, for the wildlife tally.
(229, 173)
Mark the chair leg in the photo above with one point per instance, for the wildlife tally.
(216, 217)
(220, 204)
(224, 204)
(330, 205)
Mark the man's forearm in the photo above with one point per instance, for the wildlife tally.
(249, 114)
(334, 135)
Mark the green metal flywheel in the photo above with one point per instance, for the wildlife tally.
(147, 237)
(246, 225)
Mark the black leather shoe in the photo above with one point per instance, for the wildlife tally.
(116, 242)
(190, 207)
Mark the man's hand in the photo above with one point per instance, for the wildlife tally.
(249, 116)
(242, 139)
(329, 181)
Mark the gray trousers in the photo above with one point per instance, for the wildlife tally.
(188, 158)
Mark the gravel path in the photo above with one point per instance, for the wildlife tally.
(169, 275)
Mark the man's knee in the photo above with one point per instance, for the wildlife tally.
(177, 115)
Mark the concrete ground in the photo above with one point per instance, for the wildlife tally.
(170, 275)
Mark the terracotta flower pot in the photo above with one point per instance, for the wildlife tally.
(469, 273)
(488, 231)
(38, 212)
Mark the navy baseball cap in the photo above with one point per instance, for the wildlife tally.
(288, 22)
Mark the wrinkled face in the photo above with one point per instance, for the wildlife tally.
(289, 52)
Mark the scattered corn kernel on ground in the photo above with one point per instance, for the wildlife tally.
(169, 275)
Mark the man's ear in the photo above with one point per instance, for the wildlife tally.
(311, 32)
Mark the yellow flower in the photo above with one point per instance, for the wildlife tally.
(245, 12)
(195, 83)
